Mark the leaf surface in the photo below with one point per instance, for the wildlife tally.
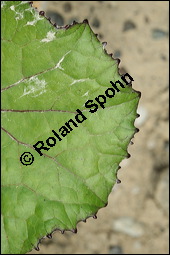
(47, 74)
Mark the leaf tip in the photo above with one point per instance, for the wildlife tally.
(104, 44)
(74, 230)
(37, 247)
(67, 26)
(139, 93)
(74, 22)
(85, 21)
(128, 155)
(49, 236)
(41, 13)
(118, 181)
(95, 216)
(136, 130)
(118, 60)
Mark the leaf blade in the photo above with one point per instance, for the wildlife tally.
(53, 72)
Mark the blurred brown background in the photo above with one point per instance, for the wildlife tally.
(136, 218)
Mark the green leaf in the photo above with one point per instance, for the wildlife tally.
(48, 74)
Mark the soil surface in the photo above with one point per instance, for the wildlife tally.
(136, 218)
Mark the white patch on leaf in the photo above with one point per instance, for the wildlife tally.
(36, 17)
(12, 7)
(58, 65)
(76, 81)
(50, 37)
(2, 4)
(31, 23)
(19, 15)
(22, 2)
(35, 87)
(86, 94)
